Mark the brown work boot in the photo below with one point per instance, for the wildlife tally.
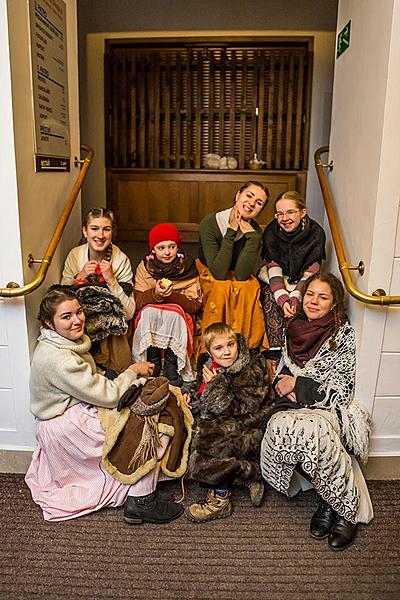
(215, 507)
(256, 492)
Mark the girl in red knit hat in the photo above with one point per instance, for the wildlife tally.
(167, 294)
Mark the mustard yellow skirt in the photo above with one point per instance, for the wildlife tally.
(234, 302)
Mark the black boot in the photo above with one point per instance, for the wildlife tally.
(154, 356)
(150, 509)
(322, 521)
(342, 534)
(171, 368)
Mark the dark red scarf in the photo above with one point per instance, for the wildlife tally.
(181, 268)
(305, 338)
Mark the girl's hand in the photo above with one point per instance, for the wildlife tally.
(144, 369)
(286, 385)
(292, 397)
(289, 310)
(208, 374)
(89, 268)
(161, 292)
(187, 400)
(107, 272)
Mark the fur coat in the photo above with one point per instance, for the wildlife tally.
(229, 424)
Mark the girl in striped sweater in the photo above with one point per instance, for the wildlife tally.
(293, 249)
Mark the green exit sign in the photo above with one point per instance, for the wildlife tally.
(343, 40)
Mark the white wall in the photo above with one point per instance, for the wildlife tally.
(31, 205)
(93, 133)
(15, 421)
(364, 182)
(42, 196)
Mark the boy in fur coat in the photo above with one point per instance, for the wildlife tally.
(231, 399)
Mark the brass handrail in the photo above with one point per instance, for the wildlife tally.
(378, 296)
(13, 289)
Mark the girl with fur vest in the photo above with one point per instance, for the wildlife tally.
(102, 276)
(232, 399)
(319, 427)
(67, 477)
(168, 294)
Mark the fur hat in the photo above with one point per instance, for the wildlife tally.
(148, 399)
(153, 398)
(164, 232)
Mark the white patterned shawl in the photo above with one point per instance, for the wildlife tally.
(335, 371)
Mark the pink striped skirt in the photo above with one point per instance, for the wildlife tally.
(65, 476)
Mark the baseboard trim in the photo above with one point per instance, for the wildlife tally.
(15, 461)
(382, 468)
(377, 467)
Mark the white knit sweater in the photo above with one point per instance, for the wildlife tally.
(63, 373)
(121, 266)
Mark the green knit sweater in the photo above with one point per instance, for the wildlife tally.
(222, 254)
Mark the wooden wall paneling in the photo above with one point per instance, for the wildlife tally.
(222, 104)
(178, 107)
(167, 113)
(270, 110)
(242, 130)
(253, 105)
(260, 104)
(142, 111)
(307, 109)
(157, 131)
(299, 111)
(232, 108)
(114, 105)
(211, 75)
(123, 109)
(279, 127)
(289, 113)
(188, 109)
(199, 108)
(142, 198)
(132, 92)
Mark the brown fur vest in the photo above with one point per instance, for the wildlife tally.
(229, 428)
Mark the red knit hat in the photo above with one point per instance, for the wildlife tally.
(164, 232)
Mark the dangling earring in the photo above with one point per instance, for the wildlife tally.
(303, 222)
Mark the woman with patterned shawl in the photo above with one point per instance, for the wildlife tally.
(318, 428)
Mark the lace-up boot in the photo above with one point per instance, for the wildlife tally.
(215, 507)
(150, 509)
(342, 534)
(322, 521)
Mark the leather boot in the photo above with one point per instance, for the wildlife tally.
(215, 507)
(150, 509)
(154, 356)
(322, 521)
(171, 368)
(342, 534)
